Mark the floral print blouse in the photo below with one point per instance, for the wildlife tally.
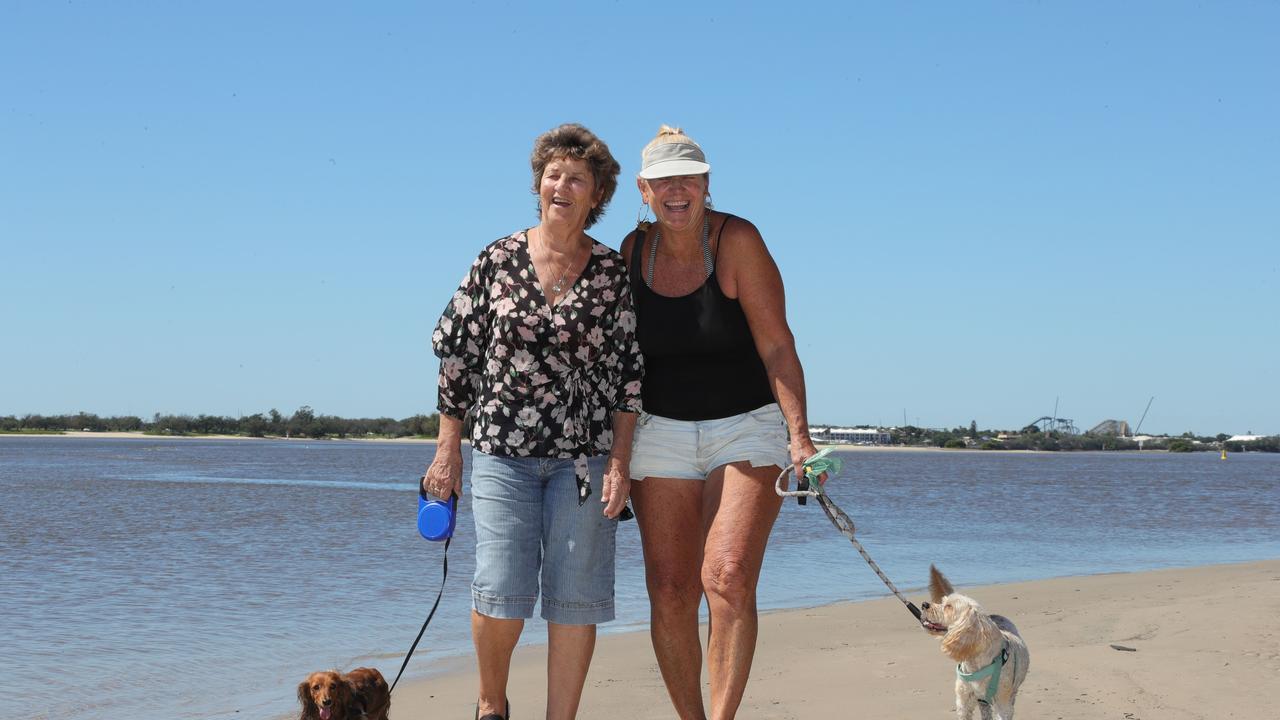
(540, 381)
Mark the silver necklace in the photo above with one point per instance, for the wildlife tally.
(557, 287)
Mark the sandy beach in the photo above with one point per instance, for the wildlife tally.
(1205, 644)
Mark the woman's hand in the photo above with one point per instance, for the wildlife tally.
(617, 486)
(802, 449)
(617, 469)
(444, 475)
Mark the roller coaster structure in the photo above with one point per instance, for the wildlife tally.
(1054, 424)
(1119, 428)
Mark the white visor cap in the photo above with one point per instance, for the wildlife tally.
(672, 159)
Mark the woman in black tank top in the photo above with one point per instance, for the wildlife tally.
(702, 360)
(718, 356)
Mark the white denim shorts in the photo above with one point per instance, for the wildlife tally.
(692, 449)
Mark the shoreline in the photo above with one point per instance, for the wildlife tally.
(1215, 623)
(138, 435)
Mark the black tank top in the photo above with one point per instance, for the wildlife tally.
(700, 362)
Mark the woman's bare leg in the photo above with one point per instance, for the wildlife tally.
(669, 512)
(569, 650)
(738, 512)
(495, 639)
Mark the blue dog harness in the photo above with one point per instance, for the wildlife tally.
(992, 670)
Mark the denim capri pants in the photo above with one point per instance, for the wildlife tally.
(529, 527)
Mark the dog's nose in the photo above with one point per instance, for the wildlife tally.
(924, 606)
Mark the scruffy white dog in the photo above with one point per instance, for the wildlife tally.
(992, 656)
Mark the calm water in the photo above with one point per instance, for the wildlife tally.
(204, 579)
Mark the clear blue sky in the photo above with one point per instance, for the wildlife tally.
(977, 207)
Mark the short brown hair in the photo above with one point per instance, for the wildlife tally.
(572, 140)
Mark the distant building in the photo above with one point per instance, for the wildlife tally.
(1246, 438)
(851, 436)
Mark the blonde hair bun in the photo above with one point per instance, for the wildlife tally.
(668, 134)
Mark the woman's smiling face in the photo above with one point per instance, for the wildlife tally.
(568, 192)
(677, 201)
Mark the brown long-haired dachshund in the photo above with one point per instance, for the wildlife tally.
(330, 695)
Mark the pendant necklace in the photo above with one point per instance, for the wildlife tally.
(557, 287)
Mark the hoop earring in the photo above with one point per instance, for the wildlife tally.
(643, 215)
(706, 202)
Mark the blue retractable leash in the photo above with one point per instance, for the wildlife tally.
(809, 487)
(436, 521)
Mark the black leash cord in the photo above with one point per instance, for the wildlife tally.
(430, 615)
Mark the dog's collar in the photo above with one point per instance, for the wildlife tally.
(992, 669)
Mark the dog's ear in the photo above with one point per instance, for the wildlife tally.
(309, 709)
(345, 693)
(939, 586)
(963, 637)
(970, 632)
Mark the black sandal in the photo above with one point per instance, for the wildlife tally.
(494, 716)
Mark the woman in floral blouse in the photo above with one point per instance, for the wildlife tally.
(538, 346)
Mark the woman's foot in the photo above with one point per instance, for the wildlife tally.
(494, 716)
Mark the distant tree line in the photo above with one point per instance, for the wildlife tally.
(302, 423)
(306, 423)
(79, 421)
(1032, 438)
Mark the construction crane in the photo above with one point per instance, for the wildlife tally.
(1144, 415)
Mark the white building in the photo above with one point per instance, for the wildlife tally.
(852, 436)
